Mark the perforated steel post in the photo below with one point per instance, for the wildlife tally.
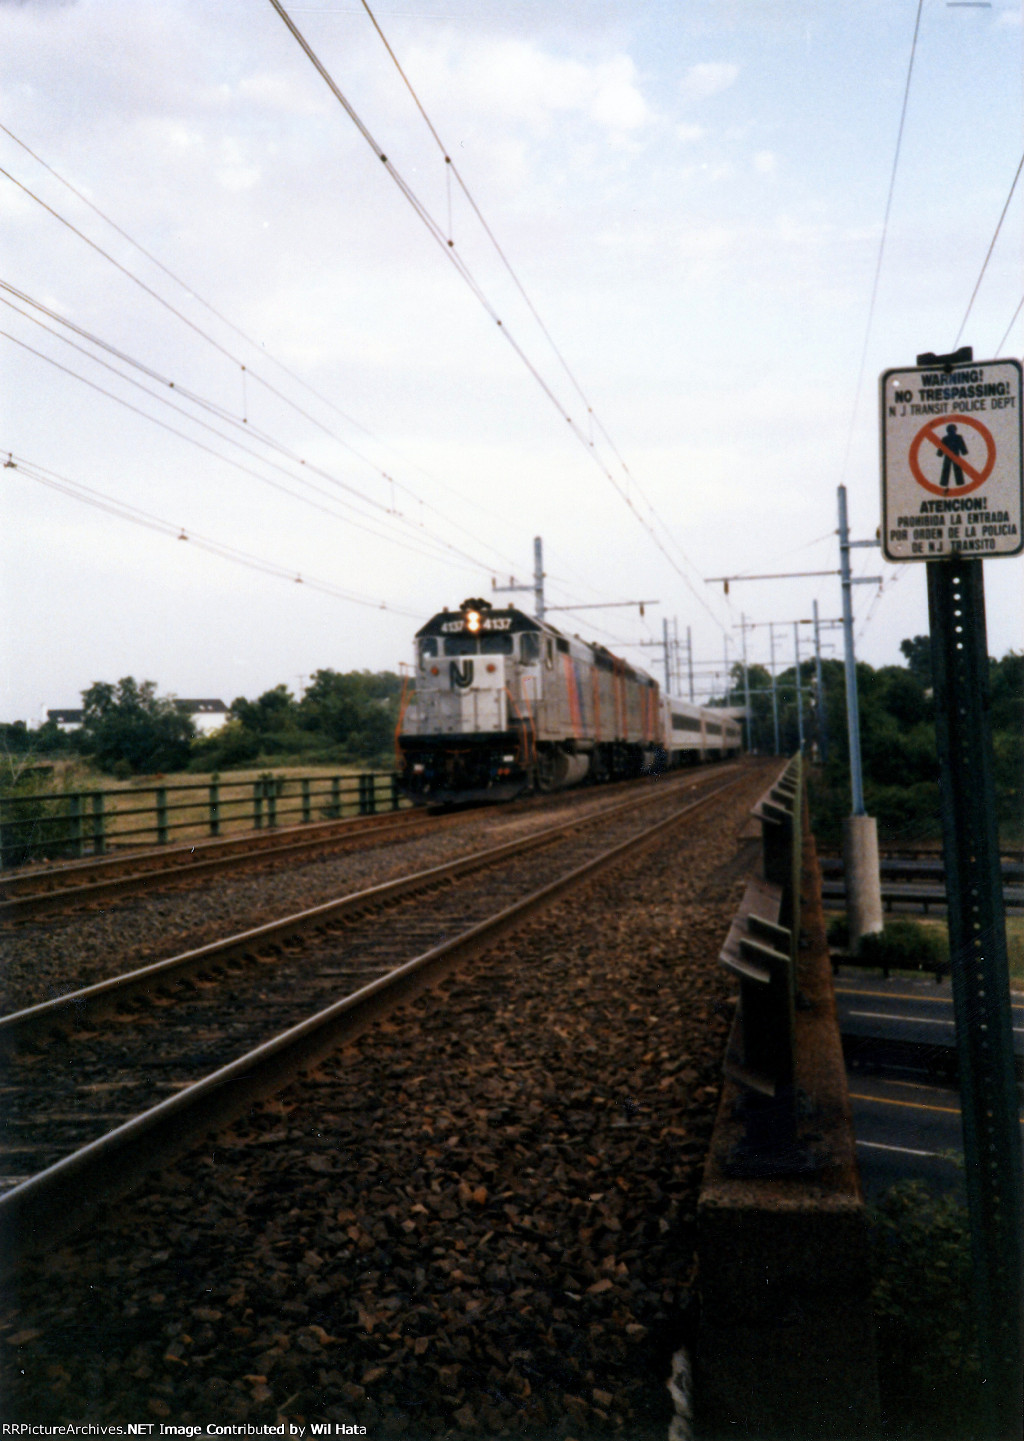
(978, 960)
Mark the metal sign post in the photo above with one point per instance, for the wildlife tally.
(976, 920)
(981, 994)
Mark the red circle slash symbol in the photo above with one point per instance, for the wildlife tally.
(956, 465)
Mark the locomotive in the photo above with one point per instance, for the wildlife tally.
(504, 704)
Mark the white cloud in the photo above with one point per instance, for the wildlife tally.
(709, 78)
(233, 172)
(765, 162)
(513, 80)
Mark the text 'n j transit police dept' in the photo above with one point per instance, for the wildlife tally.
(951, 461)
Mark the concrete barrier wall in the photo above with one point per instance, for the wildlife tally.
(786, 1345)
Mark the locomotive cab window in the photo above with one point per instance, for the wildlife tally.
(428, 647)
(549, 652)
(496, 645)
(529, 647)
(461, 645)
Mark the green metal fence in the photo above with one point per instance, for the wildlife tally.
(74, 824)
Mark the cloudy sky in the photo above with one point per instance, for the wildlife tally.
(227, 320)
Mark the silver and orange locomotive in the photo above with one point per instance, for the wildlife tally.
(503, 704)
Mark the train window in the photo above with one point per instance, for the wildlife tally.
(549, 653)
(460, 645)
(529, 646)
(428, 646)
(495, 645)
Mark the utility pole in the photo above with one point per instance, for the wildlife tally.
(538, 580)
(775, 693)
(746, 625)
(822, 715)
(799, 693)
(746, 682)
(860, 831)
(860, 847)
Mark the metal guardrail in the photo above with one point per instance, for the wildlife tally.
(78, 823)
(919, 897)
(761, 951)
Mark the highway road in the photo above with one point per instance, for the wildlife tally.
(906, 1108)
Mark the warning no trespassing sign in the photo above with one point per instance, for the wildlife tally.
(951, 461)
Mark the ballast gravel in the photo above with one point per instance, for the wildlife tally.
(477, 1221)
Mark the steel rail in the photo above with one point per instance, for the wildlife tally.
(13, 882)
(53, 1204)
(149, 870)
(182, 868)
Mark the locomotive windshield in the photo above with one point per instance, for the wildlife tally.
(478, 645)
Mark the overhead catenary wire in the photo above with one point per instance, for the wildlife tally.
(451, 169)
(988, 255)
(231, 325)
(176, 531)
(420, 534)
(246, 370)
(226, 417)
(881, 243)
(1013, 321)
(238, 465)
(206, 337)
(448, 249)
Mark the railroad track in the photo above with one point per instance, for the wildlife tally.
(102, 1085)
(76, 885)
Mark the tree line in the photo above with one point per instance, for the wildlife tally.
(129, 729)
(897, 735)
(350, 717)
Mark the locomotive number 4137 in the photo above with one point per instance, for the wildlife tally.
(487, 622)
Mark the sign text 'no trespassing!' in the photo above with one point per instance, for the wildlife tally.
(951, 461)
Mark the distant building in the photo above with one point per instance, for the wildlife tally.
(66, 720)
(205, 715)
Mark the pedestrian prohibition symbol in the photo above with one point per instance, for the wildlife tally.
(952, 440)
(939, 455)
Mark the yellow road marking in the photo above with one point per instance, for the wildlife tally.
(894, 996)
(908, 1105)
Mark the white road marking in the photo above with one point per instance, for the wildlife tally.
(904, 1150)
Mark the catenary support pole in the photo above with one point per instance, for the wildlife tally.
(746, 685)
(822, 714)
(799, 692)
(861, 869)
(849, 661)
(775, 692)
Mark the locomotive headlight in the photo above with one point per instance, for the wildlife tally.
(473, 621)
